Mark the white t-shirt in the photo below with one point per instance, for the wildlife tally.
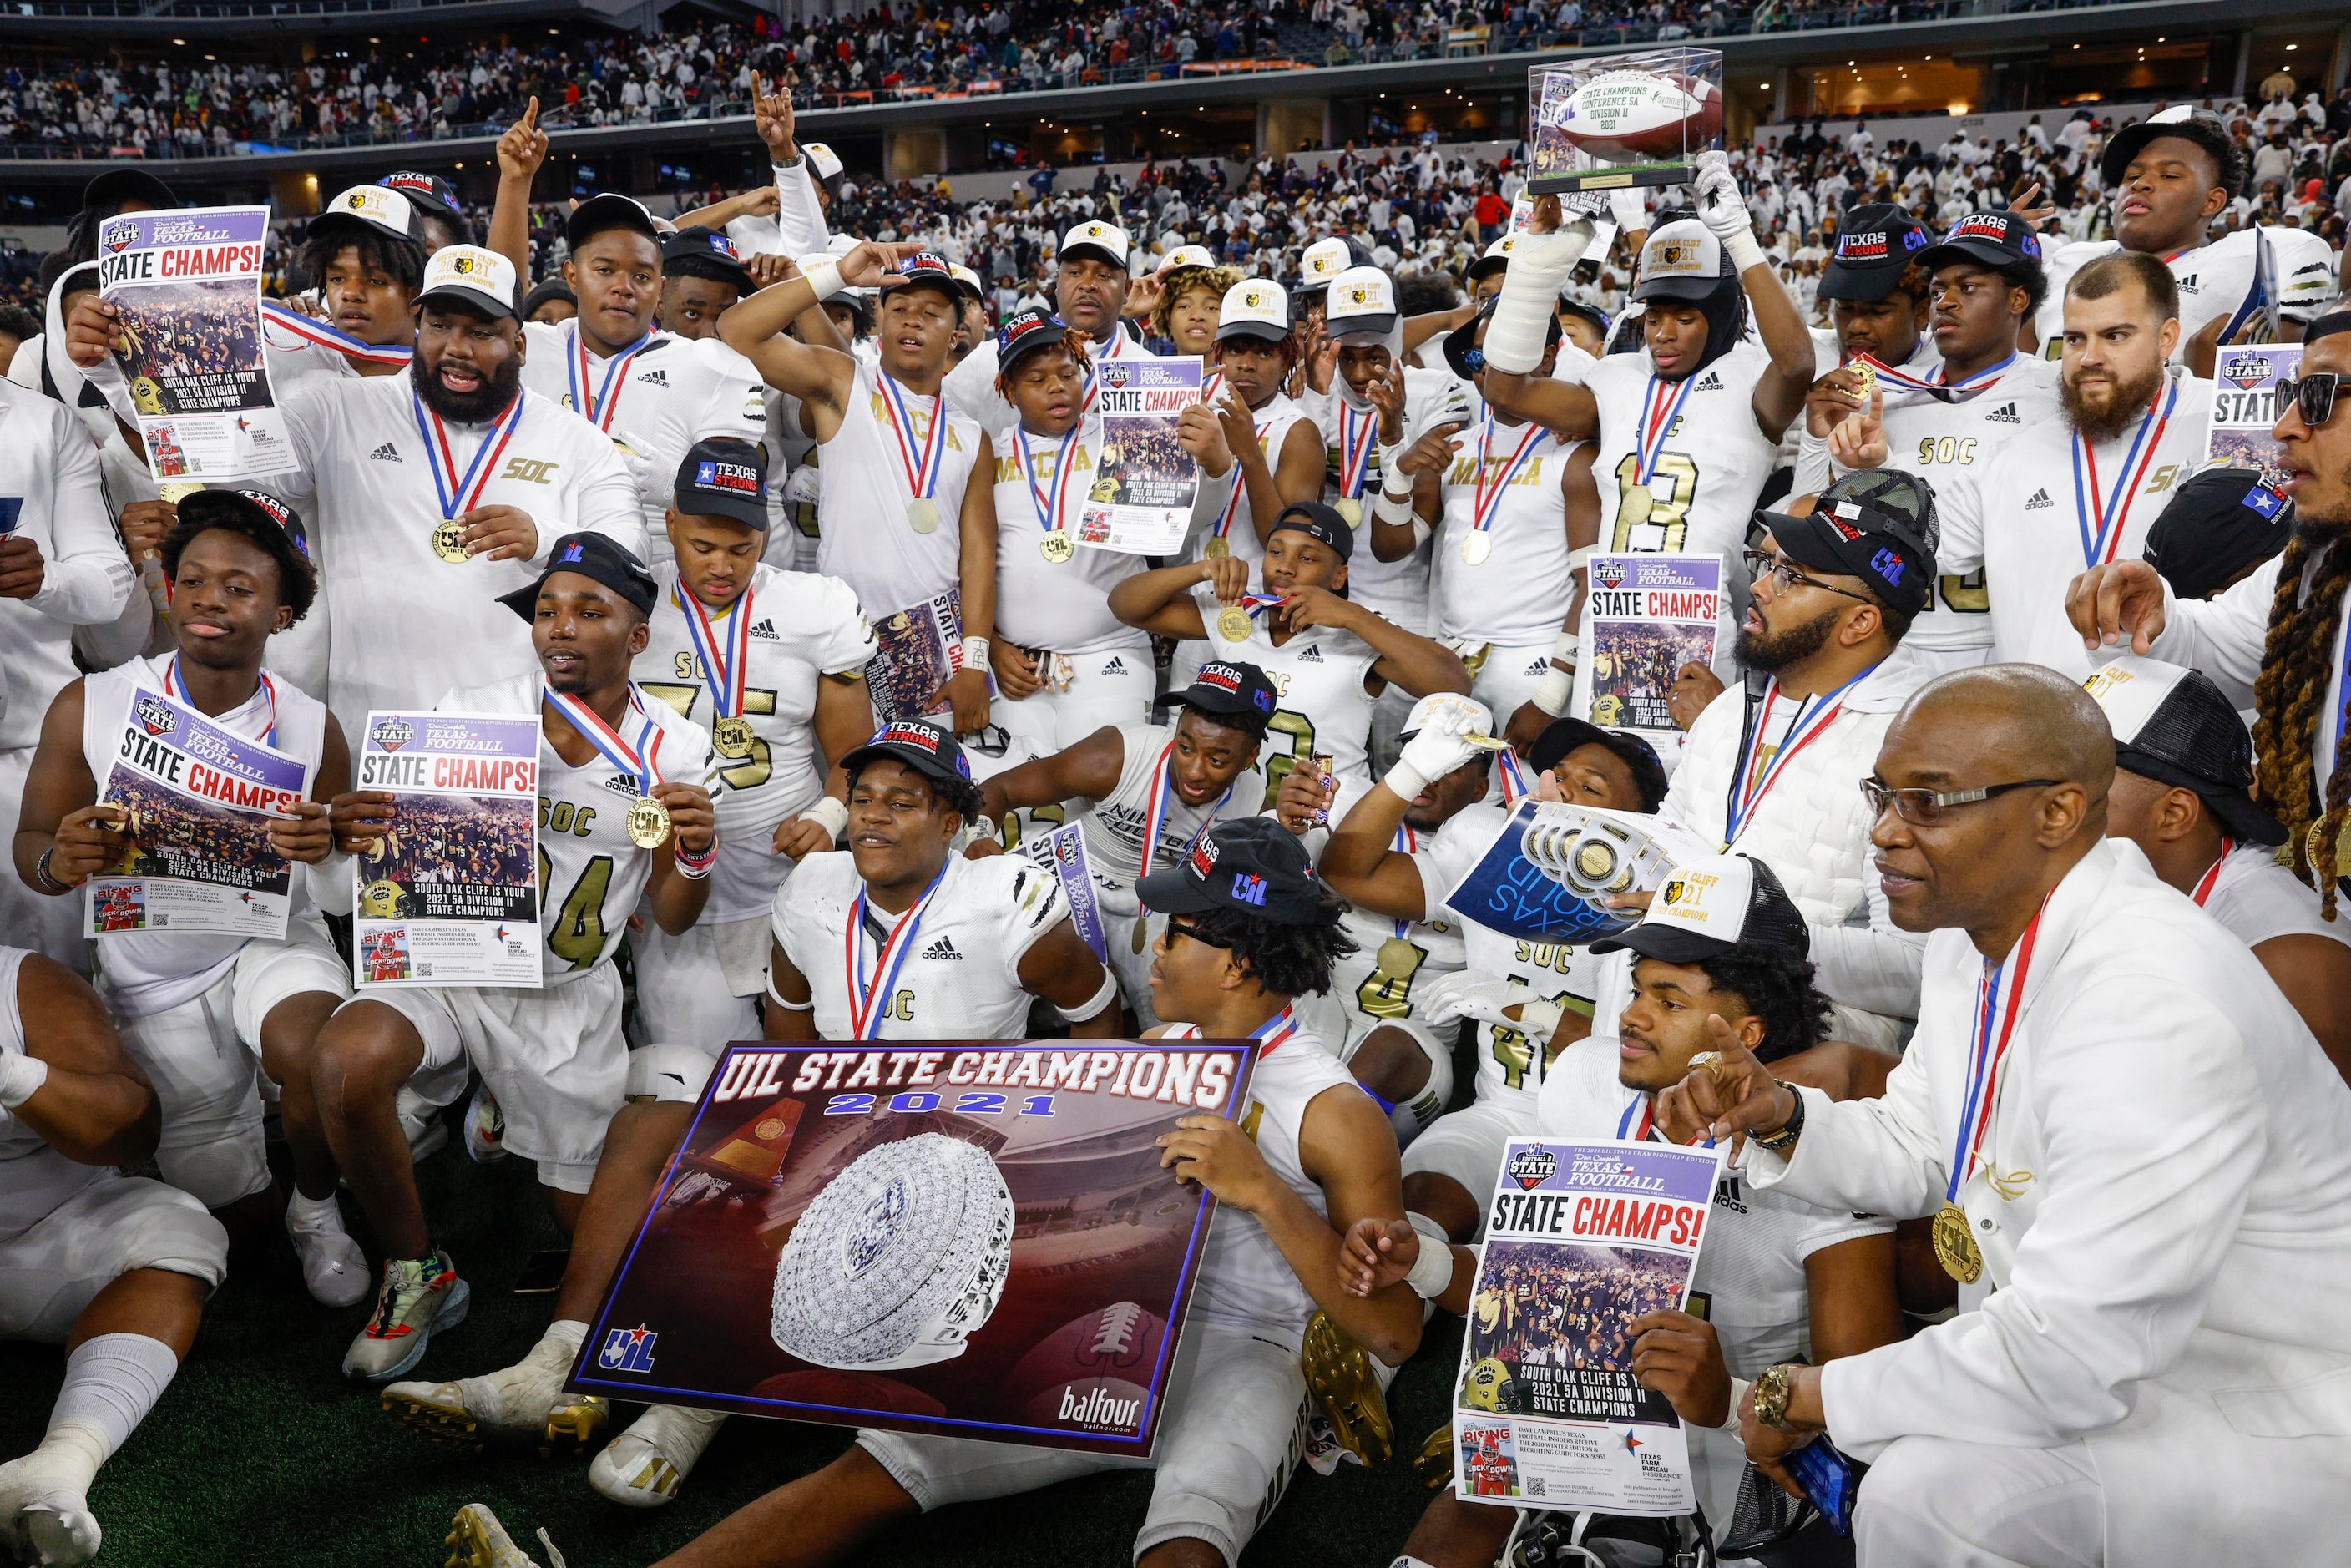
(1058, 606)
(866, 537)
(2258, 899)
(1513, 598)
(1322, 708)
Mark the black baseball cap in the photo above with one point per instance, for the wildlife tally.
(928, 269)
(2190, 124)
(593, 556)
(1225, 687)
(429, 192)
(1320, 523)
(930, 749)
(1713, 907)
(547, 290)
(109, 190)
(1024, 332)
(1562, 735)
(1858, 539)
(1997, 238)
(210, 508)
(724, 478)
(1875, 242)
(609, 211)
(2218, 526)
(700, 251)
(1251, 866)
(2174, 725)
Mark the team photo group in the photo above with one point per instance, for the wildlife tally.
(1687, 787)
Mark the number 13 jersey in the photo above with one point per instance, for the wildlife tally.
(1711, 463)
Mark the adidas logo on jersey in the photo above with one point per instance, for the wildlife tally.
(622, 784)
(386, 452)
(2186, 285)
(2040, 499)
(765, 632)
(1712, 383)
(653, 379)
(1537, 668)
(1313, 655)
(943, 949)
(2004, 415)
(1117, 666)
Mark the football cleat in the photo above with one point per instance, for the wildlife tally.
(643, 1467)
(522, 1402)
(485, 1128)
(333, 1267)
(44, 1511)
(1434, 1463)
(1340, 1376)
(411, 1305)
(476, 1540)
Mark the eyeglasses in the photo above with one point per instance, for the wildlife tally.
(1175, 930)
(1785, 573)
(2311, 396)
(1924, 808)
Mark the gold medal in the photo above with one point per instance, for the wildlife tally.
(1637, 505)
(1476, 547)
(1398, 957)
(648, 822)
(1350, 509)
(449, 542)
(922, 513)
(1057, 547)
(1142, 934)
(1955, 1248)
(2315, 840)
(732, 736)
(1233, 624)
(1216, 548)
(1866, 380)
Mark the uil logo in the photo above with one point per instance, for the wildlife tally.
(391, 733)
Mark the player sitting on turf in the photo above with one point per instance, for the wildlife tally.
(1725, 960)
(114, 1267)
(554, 1057)
(1310, 1156)
(994, 935)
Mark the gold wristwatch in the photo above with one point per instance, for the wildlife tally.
(1772, 1391)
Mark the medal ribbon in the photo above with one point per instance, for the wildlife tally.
(2212, 872)
(1162, 785)
(2114, 511)
(458, 495)
(327, 335)
(868, 1000)
(1751, 780)
(635, 761)
(1514, 779)
(1978, 381)
(1240, 487)
(1274, 1032)
(1049, 508)
(1996, 1014)
(1355, 457)
(1485, 504)
(922, 468)
(1646, 1104)
(727, 672)
(1407, 842)
(1114, 349)
(599, 408)
(1659, 412)
(178, 688)
(1256, 605)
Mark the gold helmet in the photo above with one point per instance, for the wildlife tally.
(385, 899)
(1486, 1385)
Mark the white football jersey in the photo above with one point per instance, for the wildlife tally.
(1396, 588)
(961, 976)
(1272, 424)
(1042, 604)
(590, 875)
(865, 537)
(2258, 899)
(2215, 279)
(406, 624)
(801, 627)
(1711, 462)
(1324, 709)
(653, 404)
(48, 463)
(295, 360)
(1512, 596)
(1113, 825)
(1379, 984)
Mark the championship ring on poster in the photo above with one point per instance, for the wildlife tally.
(898, 1261)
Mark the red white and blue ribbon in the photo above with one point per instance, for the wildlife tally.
(327, 335)
(636, 761)
(868, 1001)
(1407, 842)
(1240, 485)
(1114, 350)
(1485, 503)
(598, 407)
(1990, 375)
(2113, 509)
(1644, 1105)
(1050, 499)
(178, 688)
(1256, 605)
(1753, 778)
(2212, 872)
(1274, 1032)
(1659, 409)
(921, 467)
(458, 495)
(727, 671)
(1354, 455)
(1998, 994)
(1154, 815)
(1514, 777)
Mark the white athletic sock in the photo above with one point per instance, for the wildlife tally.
(111, 1382)
(314, 1211)
(570, 1333)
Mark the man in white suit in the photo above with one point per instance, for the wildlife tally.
(2139, 1163)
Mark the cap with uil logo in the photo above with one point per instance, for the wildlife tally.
(1254, 307)
(469, 276)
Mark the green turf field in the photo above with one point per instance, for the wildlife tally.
(260, 1454)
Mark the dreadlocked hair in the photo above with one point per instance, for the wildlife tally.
(2287, 697)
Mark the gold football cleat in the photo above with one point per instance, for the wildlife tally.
(476, 1540)
(1434, 1464)
(1339, 1373)
(576, 1426)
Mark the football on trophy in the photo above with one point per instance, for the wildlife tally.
(1641, 114)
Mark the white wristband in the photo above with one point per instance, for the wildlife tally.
(807, 1006)
(1389, 455)
(1394, 510)
(1740, 247)
(1103, 996)
(1554, 691)
(1522, 324)
(825, 278)
(974, 654)
(829, 814)
(1404, 780)
(1420, 531)
(1577, 559)
(1432, 1272)
(21, 1078)
(1739, 1388)
(1539, 1019)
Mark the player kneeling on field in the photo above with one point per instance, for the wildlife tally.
(1309, 1156)
(114, 1267)
(554, 1057)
